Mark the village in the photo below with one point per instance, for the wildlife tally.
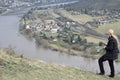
(52, 30)
(103, 16)
(56, 27)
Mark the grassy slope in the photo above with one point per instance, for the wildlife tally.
(79, 18)
(15, 68)
(95, 40)
(115, 26)
(51, 12)
(98, 4)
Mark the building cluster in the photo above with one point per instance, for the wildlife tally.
(53, 28)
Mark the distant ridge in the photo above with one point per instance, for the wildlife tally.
(97, 4)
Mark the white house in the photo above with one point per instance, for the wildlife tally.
(54, 30)
(27, 27)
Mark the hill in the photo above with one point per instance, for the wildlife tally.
(14, 67)
(45, 1)
(5, 3)
(97, 4)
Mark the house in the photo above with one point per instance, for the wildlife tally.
(103, 20)
(39, 27)
(28, 27)
(54, 30)
(47, 27)
(55, 39)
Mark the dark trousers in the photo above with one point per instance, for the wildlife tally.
(111, 64)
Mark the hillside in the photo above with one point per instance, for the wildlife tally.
(97, 4)
(6, 3)
(14, 67)
(45, 1)
(99, 9)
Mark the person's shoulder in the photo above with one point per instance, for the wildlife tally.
(111, 38)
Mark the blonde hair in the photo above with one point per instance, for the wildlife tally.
(113, 35)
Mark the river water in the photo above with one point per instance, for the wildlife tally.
(10, 37)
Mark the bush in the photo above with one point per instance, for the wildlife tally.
(101, 44)
(77, 47)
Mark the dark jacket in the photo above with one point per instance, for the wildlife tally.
(111, 49)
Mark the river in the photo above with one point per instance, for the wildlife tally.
(10, 37)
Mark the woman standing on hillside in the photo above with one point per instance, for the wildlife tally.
(111, 53)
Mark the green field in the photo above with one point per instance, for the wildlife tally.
(39, 11)
(95, 40)
(83, 18)
(13, 67)
(51, 12)
(104, 28)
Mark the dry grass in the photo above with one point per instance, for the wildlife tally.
(16, 68)
(83, 18)
(94, 40)
(104, 28)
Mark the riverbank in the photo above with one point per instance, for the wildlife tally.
(13, 67)
(73, 52)
(39, 25)
(68, 50)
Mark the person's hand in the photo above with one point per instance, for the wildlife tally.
(105, 44)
